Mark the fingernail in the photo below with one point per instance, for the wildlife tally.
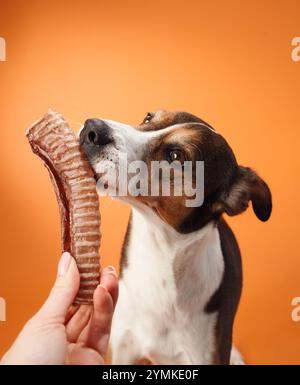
(64, 263)
(100, 285)
(111, 267)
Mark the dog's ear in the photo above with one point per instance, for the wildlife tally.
(247, 186)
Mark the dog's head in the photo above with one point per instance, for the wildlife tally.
(182, 138)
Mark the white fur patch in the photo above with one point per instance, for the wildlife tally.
(157, 316)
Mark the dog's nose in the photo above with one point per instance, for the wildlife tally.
(95, 132)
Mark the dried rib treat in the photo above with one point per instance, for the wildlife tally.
(75, 187)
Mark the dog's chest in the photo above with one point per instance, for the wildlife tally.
(163, 293)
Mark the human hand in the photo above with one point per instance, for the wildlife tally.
(61, 333)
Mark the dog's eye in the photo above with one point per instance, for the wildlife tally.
(148, 118)
(177, 155)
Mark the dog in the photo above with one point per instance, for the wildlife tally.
(180, 269)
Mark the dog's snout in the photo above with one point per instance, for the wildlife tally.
(95, 132)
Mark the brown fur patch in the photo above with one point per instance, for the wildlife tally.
(199, 142)
(190, 139)
(162, 119)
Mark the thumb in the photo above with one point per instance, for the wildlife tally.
(64, 290)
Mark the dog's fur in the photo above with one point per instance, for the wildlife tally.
(181, 274)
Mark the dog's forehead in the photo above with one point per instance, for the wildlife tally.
(162, 119)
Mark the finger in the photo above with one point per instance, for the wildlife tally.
(109, 279)
(78, 322)
(110, 282)
(83, 338)
(99, 329)
(105, 297)
(63, 292)
(78, 354)
(71, 311)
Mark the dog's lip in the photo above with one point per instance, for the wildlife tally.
(102, 182)
(95, 175)
(99, 175)
(88, 160)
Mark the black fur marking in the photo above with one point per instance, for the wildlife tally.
(226, 298)
(124, 256)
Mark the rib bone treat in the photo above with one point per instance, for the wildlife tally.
(54, 142)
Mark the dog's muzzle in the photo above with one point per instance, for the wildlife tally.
(94, 137)
(95, 132)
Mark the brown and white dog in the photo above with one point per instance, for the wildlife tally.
(181, 274)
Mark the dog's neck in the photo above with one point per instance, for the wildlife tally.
(148, 225)
(172, 277)
(189, 264)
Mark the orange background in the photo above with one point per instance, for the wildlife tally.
(227, 61)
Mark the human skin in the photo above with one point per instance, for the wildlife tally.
(61, 333)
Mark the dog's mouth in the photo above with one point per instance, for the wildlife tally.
(90, 161)
(93, 159)
(103, 167)
(96, 176)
